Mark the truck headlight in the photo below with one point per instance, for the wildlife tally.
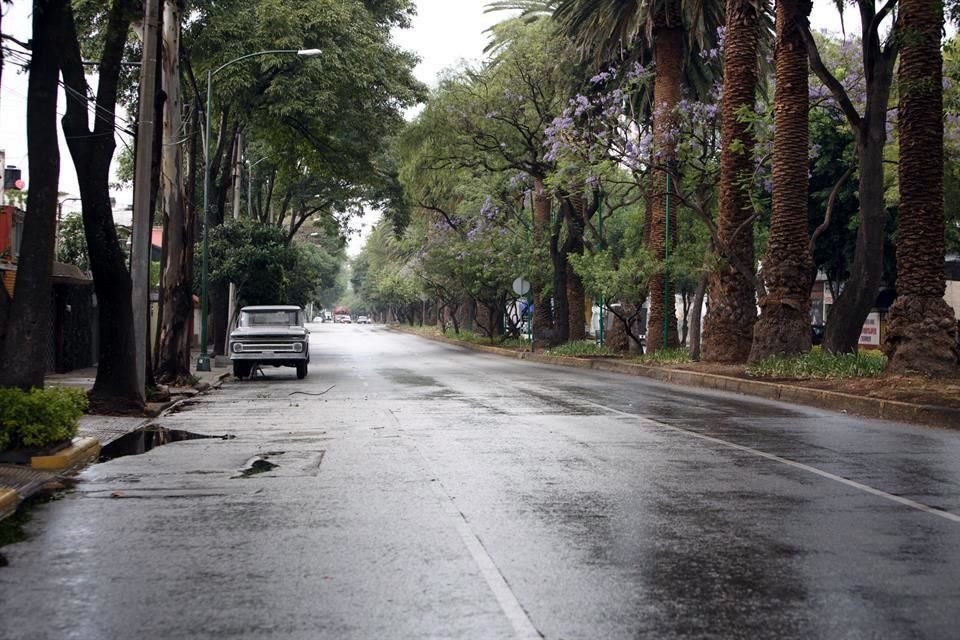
(298, 347)
(237, 347)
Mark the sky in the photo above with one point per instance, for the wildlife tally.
(443, 33)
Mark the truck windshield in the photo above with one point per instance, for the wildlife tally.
(268, 318)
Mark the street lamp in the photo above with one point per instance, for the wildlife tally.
(56, 239)
(203, 360)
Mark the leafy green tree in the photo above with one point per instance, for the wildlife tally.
(265, 268)
(72, 247)
(483, 125)
(671, 34)
(863, 99)
(322, 121)
(104, 29)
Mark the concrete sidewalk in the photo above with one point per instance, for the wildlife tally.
(18, 482)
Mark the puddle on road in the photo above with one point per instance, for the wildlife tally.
(147, 438)
(403, 376)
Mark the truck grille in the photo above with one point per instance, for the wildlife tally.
(260, 347)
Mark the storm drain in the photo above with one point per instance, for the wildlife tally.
(147, 438)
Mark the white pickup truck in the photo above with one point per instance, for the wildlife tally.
(270, 335)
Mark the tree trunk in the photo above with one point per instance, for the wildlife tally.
(543, 329)
(220, 292)
(24, 347)
(728, 330)
(784, 325)
(115, 388)
(615, 333)
(696, 313)
(177, 293)
(558, 259)
(921, 327)
(668, 56)
(859, 292)
(576, 296)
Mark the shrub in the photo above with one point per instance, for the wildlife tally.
(39, 417)
(820, 364)
(580, 348)
(677, 355)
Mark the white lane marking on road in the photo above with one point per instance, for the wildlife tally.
(523, 627)
(519, 620)
(946, 515)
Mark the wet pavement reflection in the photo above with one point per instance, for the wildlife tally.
(434, 492)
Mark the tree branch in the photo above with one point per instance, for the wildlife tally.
(829, 214)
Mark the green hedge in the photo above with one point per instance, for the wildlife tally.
(39, 417)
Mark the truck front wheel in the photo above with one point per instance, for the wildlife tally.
(301, 370)
(241, 369)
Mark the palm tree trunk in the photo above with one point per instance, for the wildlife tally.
(921, 329)
(784, 325)
(668, 56)
(728, 329)
(28, 329)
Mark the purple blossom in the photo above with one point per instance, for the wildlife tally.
(582, 104)
(488, 210)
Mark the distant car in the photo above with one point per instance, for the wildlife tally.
(318, 318)
(343, 318)
(270, 335)
(363, 320)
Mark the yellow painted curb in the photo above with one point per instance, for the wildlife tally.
(82, 450)
(8, 502)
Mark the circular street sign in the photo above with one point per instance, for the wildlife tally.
(521, 287)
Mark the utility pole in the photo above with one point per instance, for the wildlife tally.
(140, 258)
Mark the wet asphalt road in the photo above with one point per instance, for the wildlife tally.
(425, 491)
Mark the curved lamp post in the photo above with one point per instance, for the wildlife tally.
(203, 360)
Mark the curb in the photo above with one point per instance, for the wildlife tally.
(86, 450)
(82, 451)
(9, 499)
(895, 410)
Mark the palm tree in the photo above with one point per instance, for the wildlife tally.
(728, 329)
(784, 326)
(921, 329)
(669, 30)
